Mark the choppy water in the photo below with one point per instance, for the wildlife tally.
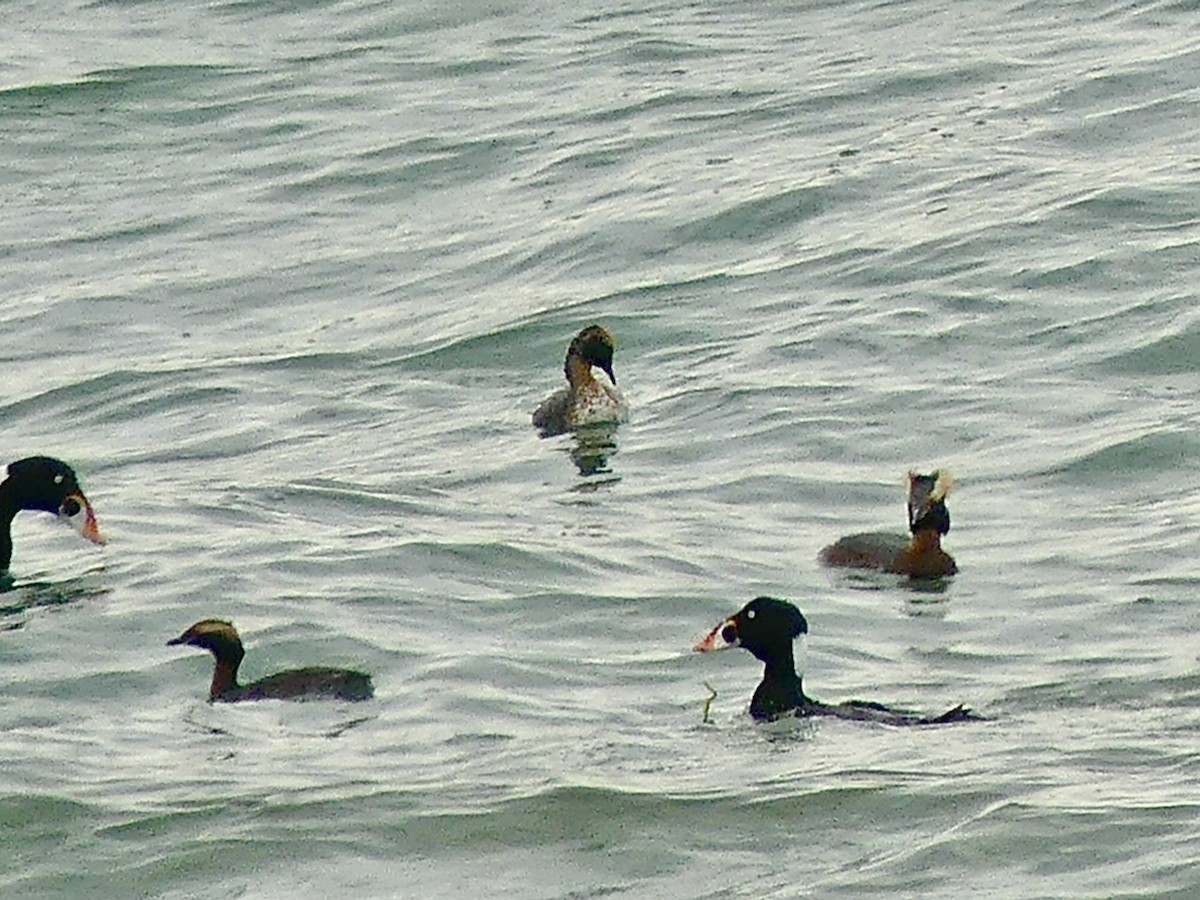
(283, 282)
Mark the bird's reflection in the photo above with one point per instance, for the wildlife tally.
(922, 596)
(591, 448)
(20, 597)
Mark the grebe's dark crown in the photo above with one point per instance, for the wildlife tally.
(595, 345)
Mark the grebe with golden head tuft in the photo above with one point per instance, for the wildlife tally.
(918, 556)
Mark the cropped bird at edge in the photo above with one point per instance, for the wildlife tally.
(44, 484)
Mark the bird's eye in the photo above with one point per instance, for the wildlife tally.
(58, 479)
(749, 614)
(71, 507)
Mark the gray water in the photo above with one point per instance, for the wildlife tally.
(283, 282)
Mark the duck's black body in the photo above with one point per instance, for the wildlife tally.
(316, 683)
(918, 556)
(767, 628)
(44, 484)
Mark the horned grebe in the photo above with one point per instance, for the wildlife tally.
(317, 683)
(920, 556)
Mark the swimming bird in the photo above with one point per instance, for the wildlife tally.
(49, 485)
(920, 556)
(767, 627)
(585, 400)
(316, 683)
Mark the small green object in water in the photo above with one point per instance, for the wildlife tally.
(708, 703)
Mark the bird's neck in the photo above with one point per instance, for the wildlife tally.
(224, 679)
(927, 540)
(8, 511)
(579, 371)
(924, 556)
(781, 689)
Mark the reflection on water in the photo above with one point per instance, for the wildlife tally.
(926, 606)
(18, 598)
(922, 590)
(195, 724)
(927, 590)
(338, 731)
(591, 447)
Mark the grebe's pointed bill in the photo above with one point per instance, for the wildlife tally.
(608, 370)
(722, 637)
(78, 513)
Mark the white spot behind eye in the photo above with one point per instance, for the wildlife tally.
(58, 479)
(749, 614)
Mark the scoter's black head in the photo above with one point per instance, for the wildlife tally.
(765, 626)
(41, 483)
(595, 345)
(217, 636)
(927, 501)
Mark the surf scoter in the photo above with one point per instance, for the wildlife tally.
(49, 485)
(585, 400)
(317, 683)
(767, 627)
(920, 556)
